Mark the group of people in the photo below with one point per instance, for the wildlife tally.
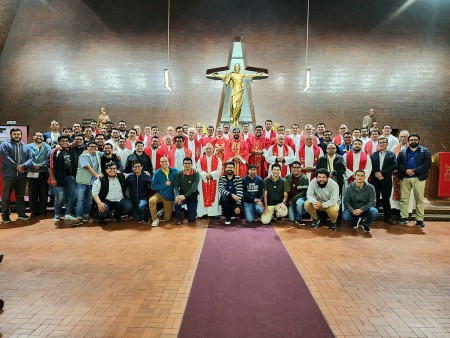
(267, 174)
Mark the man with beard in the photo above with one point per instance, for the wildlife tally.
(282, 154)
(308, 155)
(114, 140)
(298, 185)
(236, 151)
(139, 156)
(186, 191)
(327, 139)
(339, 139)
(414, 163)
(155, 152)
(109, 194)
(88, 135)
(62, 178)
(108, 156)
(231, 192)
(163, 184)
(178, 154)
(191, 143)
(357, 159)
(269, 133)
(276, 190)
(100, 140)
(209, 166)
(372, 145)
(219, 145)
(38, 175)
(359, 202)
(364, 136)
(246, 134)
(253, 186)
(226, 131)
(16, 159)
(208, 138)
(256, 147)
(384, 162)
(323, 195)
(123, 129)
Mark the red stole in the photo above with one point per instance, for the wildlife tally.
(338, 140)
(209, 187)
(284, 167)
(302, 140)
(257, 143)
(369, 146)
(302, 157)
(362, 162)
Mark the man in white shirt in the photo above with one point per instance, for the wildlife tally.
(123, 152)
(393, 141)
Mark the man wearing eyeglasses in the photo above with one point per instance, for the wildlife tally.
(414, 163)
(384, 162)
(109, 194)
(334, 164)
(139, 191)
(176, 155)
(298, 183)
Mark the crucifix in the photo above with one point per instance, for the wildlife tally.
(236, 93)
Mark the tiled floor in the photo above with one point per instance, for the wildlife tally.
(130, 280)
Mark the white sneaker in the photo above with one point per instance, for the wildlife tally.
(155, 223)
(227, 222)
(160, 212)
(70, 218)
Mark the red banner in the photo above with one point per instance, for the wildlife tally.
(444, 175)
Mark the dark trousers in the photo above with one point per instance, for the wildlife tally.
(18, 185)
(383, 188)
(228, 205)
(120, 208)
(38, 191)
(191, 210)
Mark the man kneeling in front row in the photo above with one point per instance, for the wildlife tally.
(359, 202)
(323, 195)
(276, 191)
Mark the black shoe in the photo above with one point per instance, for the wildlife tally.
(6, 219)
(333, 226)
(356, 224)
(24, 217)
(299, 222)
(403, 220)
(366, 228)
(101, 221)
(420, 224)
(315, 223)
(118, 218)
(179, 222)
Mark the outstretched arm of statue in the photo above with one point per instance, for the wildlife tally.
(215, 76)
(251, 76)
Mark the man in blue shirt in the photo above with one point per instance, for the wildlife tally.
(16, 158)
(414, 162)
(253, 194)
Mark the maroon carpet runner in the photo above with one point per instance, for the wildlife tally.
(246, 285)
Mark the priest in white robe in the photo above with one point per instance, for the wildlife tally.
(209, 166)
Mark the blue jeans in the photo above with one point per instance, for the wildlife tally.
(120, 208)
(250, 210)
(370, 215)
(295, 212)
(67, 191)
(84, 199)
(140, 209)
(191, 210)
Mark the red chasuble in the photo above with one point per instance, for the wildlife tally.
(209, 187)
(362, 163)
(237, 148)
(257, 143)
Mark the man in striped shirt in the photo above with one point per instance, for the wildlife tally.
(231, 192)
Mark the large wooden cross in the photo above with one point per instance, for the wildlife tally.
(231, 97)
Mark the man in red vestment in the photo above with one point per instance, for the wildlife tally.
(270, 134)
(236, 151)
(256, 145)
(208, 138)
(218, 144)
(155, 152)
(309, 130)
(191, 143)
(246, 134)
(287, 139)
(308, 154)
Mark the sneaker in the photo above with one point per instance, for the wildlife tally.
(70, 218)
(6, 219)
(333, 226)
(366, 228)
(155, 223)
(56, 218)
(24, 217)
(179, 222)
(356, 225)
(227, 222)
(315, 223)
(160, 212)
(299, 222)
(403, 220)
(420, 224)
(87, 218)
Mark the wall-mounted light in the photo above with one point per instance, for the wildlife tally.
(167, 80)
(307, 80)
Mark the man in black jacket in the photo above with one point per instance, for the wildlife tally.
(139, 156)
(109, 194)
(139, 190)
(414, 162)
(333, 163)
(384, 162)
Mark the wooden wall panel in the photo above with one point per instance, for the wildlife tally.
(63, 59)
